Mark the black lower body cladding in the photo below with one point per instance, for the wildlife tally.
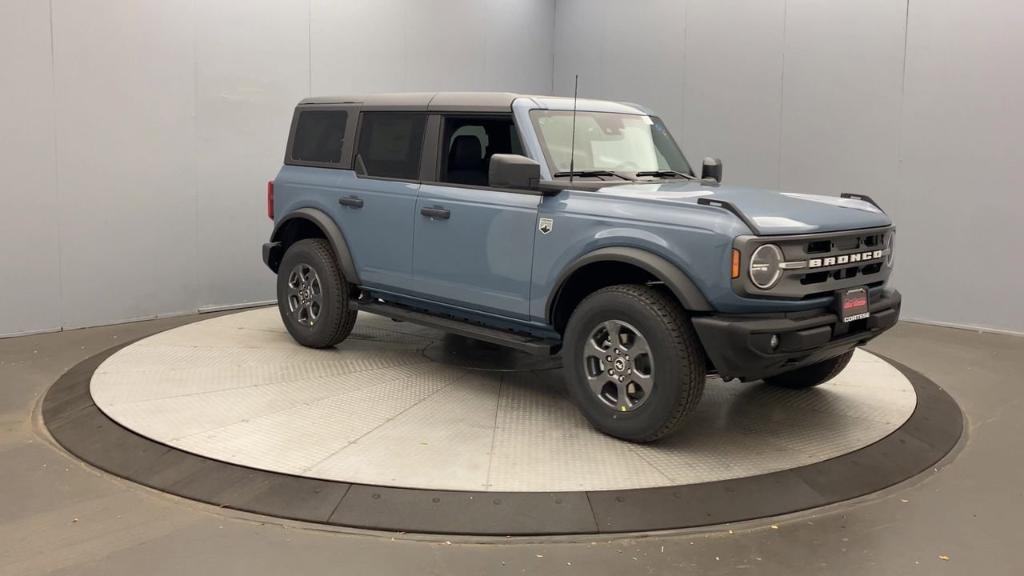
(740, 346)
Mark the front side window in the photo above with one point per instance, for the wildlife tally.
(469, 144)
(319, 135)
(390, 144)
(607, 141)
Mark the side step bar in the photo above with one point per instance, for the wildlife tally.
(518, 341)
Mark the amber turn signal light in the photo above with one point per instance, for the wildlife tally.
(735, 263)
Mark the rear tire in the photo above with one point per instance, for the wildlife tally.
(313, 295)
(813, 375)
(641, 388)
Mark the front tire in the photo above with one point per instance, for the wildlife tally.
(633, 362)
(312, 295)
(813, 375)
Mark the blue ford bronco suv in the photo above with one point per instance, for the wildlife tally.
(569, 227)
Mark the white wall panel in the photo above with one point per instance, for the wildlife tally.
(135, 158)
(580, 43)
(357, 46)
(124, 79)
(836, 97)
(157, 125)
(252, 66)
(842, 89)
(960, 189)
(445, 45)
(386, 46)
(617, 50)
(519, 57)
(29, 258)
(733, 87)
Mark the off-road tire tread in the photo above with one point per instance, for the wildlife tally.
(344, 322)
(683, 337)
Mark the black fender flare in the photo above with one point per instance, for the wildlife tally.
(330, 230)
(676, 280)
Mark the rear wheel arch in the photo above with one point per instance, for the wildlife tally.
(312, 223)
(619, 265)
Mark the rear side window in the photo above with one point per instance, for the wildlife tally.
(389, 144)
(319, 136)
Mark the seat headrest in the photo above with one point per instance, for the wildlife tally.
(466, 154)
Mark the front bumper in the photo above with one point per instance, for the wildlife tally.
(738, 345)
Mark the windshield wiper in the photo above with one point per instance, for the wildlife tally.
(586, 173)
(665, 173)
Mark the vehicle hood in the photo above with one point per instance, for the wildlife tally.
(772, 212)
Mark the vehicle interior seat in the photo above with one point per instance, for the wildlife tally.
(466, 162)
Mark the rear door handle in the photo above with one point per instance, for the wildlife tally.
(351, 201)
(436, 212)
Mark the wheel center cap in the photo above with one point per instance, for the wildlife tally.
(620, 364)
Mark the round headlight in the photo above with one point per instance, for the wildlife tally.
(890, 244)
(765, 266)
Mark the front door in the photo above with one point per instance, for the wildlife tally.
(473, 244)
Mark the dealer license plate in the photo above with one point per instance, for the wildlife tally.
(853, 304)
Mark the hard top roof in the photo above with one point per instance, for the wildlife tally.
(470, 101)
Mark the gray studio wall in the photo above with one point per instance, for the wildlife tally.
(136, 137)
(919, 106)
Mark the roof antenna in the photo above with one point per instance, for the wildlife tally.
(572, 140)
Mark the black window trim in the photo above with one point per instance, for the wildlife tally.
(397, 110)
(431, 174)
(347, 146)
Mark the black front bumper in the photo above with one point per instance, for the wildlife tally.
(738, 345)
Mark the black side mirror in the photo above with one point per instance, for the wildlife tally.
(513, 171)
(712, 170)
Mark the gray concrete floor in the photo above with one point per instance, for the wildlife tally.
(58, 516)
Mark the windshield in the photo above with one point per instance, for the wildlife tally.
(608, 141)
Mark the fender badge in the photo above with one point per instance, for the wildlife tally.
(545, 225)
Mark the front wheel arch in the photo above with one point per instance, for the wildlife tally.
(626, 265)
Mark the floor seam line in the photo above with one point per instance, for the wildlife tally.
(334, 511)
(494, 432)
(384, 423)
(593, 512)
(640, 455)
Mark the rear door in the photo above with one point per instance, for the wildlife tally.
(377, 200)
(473, 243)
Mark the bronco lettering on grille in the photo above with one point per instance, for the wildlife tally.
(845, 259)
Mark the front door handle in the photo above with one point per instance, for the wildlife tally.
(436, 212)
(351, 201)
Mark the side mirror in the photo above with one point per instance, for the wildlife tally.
(513, 171)
(712, 170)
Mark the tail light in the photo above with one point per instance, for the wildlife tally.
(270, 199)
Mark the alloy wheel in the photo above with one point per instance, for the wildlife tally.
(619, 365)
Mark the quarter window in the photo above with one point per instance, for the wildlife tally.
(390, 144)
(319, 136)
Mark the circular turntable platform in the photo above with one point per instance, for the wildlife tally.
(400, 421)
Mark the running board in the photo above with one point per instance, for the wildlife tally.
(526, 344)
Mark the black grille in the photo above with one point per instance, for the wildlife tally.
(819, 264)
